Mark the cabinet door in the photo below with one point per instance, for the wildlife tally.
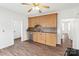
(30, 22)
(33, 21)
(50, 39)
(53, 20)
(35, 36)
(41, 38)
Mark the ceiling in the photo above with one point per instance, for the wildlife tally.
(54, 7)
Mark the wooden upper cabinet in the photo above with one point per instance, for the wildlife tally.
(33, 21)
(49, 20)
(30, 22)
(53, 20)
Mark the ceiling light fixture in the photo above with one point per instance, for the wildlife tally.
(35, 8)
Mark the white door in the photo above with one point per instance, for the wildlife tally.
(17, 29)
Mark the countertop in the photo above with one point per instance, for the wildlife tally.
(44, 30)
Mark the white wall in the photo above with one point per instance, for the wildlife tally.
(20, 27)
(17, 29)
(75, 33)
(69, 14)
(7, 21)
(24, 26)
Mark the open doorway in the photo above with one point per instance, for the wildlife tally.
(66, 33)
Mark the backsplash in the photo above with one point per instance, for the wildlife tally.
(42, 29)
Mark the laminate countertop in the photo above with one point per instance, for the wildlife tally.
(44, 30)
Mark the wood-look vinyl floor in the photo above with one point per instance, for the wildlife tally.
(31, 49)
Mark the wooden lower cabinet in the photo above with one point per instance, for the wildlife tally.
(50, 39)
(35, 36)
(45, 38)
(41, 38)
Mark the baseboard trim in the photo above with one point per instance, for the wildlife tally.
(58, 44)
(18, 38)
